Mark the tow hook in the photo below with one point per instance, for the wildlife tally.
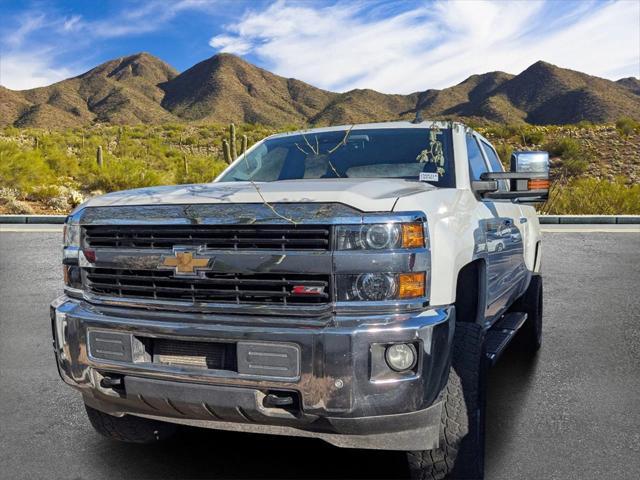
(111, 382)
(280, 400)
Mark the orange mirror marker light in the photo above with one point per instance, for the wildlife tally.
(539, 184)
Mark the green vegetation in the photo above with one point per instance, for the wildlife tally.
(594, 168)
(575, 160)
(627, 126)
(56, 170)
(594, 196)
(526, 134)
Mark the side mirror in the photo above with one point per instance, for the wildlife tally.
(529, 178)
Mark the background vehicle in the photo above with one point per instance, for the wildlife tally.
(332, 281)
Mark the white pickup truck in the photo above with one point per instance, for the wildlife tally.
(346, 283)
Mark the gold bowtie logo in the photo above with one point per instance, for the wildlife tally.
(184, 263)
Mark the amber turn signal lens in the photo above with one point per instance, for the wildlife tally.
(412, 235)
(538, 184)
(411, 285)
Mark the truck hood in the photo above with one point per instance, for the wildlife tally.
(368, 195)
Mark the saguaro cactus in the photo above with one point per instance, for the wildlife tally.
(99, 156)
(232, 140)
(229, 146)
(245, 143)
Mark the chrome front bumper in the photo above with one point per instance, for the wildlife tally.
(345, 394)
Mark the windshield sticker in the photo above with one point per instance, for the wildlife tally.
(428, 177)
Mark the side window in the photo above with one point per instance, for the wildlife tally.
(495, 163)
(477, 164)
(492, 156)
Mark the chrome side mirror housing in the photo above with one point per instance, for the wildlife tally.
(529, 177)
(530, 162)
(536, 163)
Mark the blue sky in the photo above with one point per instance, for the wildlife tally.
(390, 46)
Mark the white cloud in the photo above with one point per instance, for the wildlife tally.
(230, 44)
(72, 23)
(149, 17)
(29, 23)
(27, 59)
(437, 44)
(24, 71)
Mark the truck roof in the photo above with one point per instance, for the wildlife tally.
(370, 126)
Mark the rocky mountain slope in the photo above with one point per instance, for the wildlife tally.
(143, 89)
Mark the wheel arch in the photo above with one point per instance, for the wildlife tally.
(470, 300)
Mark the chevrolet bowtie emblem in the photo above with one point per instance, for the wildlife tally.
(184, 263)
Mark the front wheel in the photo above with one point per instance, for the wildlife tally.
(461, 451)
(129, 428)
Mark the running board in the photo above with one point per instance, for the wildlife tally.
(501, 334)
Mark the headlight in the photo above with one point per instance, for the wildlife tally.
(70, 244)
(380, 236)
(381, 286)
(71, 235)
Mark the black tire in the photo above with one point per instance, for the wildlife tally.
(529, 337)
(461, 451)
(129, 428)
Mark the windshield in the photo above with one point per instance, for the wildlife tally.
(410, 153)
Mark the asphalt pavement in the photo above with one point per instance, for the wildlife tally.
(572, 413)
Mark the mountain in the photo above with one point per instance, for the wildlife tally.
(631, 83)
(121, 91)
(224, 88)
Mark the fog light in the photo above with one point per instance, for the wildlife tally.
(401, 356)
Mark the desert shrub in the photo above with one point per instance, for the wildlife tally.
(575, 160)
(564, 147)
(531, 136)
(627, 126)
(594, 196)
(60, 162)
(504, 132)
(585, 124)
(123, 174)
(22, 169)
(522, 132)
(45, 192)
(14, 206)
(200, 170)
(575, 166)
(504, 151)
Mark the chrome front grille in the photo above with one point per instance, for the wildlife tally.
(220, 237)
(210, 287)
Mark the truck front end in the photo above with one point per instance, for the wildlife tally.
(308, 318)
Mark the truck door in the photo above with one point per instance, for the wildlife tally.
(500, 224)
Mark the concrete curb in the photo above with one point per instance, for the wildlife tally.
(589, 219)
(544, 219)
(33, 219)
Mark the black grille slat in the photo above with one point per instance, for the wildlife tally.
(209, 236)
(212, 281)
(238, 288)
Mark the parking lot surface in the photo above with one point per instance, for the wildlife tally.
(573, 412)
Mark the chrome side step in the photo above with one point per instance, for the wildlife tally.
(501, 334)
